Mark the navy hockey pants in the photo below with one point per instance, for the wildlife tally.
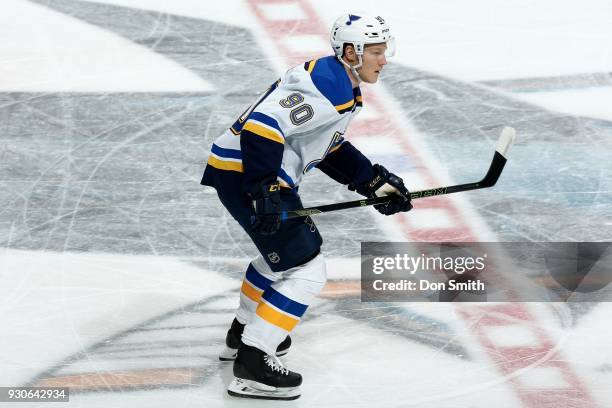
(296, 242)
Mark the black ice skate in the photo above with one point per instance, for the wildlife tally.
(232, 342)
(259, 375)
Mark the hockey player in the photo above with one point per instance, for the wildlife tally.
(256, 166)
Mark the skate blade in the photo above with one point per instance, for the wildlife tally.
(252, 389)
(229, 354)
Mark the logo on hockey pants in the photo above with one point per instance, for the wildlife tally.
(273, 257)
(310, 223)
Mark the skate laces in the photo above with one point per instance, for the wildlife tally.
(275, 364)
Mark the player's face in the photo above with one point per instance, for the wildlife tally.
(374, 61)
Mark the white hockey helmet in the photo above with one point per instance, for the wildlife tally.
(360, 29)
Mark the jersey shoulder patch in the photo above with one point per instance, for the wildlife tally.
(331, 80)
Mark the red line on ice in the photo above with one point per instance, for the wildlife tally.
(508, 360)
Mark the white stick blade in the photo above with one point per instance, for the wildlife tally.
(508, 134)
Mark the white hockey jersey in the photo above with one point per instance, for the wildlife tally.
(292, 127)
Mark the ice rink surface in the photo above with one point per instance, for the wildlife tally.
(120, 273)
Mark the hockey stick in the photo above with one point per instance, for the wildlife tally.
(506, 139)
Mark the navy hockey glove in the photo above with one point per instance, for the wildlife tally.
(382, 184)
(267, 207)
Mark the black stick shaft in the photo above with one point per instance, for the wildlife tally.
(489, 180)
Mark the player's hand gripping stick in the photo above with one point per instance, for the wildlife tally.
(267, 208)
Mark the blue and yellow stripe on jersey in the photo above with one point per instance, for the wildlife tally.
(277, 309)
(254, 284)
(309, 65)
(358, 97)
(222, 158)
(330, 78)
(236, 128)
(264, 126)
(345, 107)
(225, 159)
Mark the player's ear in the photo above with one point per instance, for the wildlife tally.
(349, 53)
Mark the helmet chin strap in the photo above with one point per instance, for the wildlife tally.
(353, 68)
